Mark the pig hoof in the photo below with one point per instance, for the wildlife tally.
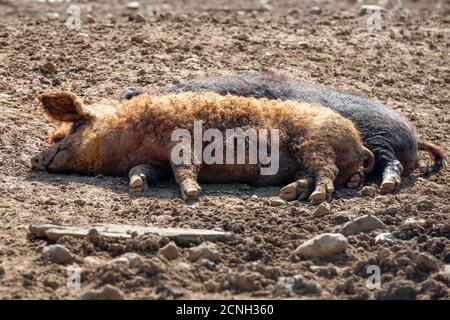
(318, 197)
(138, 183)
(389, 185)
(190, 190)
(295, 190)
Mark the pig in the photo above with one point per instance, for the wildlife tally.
(391, 138)
(318, 148)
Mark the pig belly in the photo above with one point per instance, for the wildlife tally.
(250, 173)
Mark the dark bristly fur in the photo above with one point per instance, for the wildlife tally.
(387, 134)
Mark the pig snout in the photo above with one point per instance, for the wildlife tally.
(41, 161)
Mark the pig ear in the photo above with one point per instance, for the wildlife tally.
(63, 106)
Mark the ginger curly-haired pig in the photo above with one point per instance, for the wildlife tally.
(318, 148)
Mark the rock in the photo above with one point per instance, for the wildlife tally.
(130, 258)
(89, 19)
(414, 221)
(141, 72)
(426, 261)
(2, 270)
(243, 36)
(169, 251)
(365, 9)
(326, 244)
(315, 10)
(107, 292)
(303, 45)
(52, 15)
(288, 286)
(206, 250)
(368, 191)
(277, 202)
(133, 5)
(57, 253)
(139, 18)
(446, 269)
(364, 223)
(388, 237)
(116, 79)
(322, 210)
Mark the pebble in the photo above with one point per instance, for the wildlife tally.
(382, 237)
(289, 286)
(446, 269)
(277, 202)
(243, 36)
(315, 10)
(368, 191)
(322, 210)
(364, 223)
(116, 79)
(107, 292)
(326, 244)
(57, 253)
(169, 251)
(414, 221)
(92, 261)
(133, 5)
(89, 19)
(80, 202)
(206, 250)
(139, 18)
(52, 15)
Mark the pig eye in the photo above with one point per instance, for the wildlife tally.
(78, 125)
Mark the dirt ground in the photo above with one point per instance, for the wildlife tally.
(404, 64)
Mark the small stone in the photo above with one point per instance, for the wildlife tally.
(385, 237)
(315, 10)
(52, 15)
(364, 223)
(446, 269)
(276, 202)
(254, 197)
(303, 45)
(426, 261)
(57, 253)
(206, 250)
(288, 286)
(140, 73)
(80, 202)
(133, 5)
(116, 79)
(139, 18)
(414, 221)
(322, 210)
(368, 191)
(92, 261)
(89, 19)
(365, 9)
(246, 280)
(107, 292)
(326, 244)
(169, 251)
(243, 36)
(130, 258)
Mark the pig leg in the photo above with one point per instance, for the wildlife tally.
(318, 161)
(141, 174)
(186, 177)
(391, 176)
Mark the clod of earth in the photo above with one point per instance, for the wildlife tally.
(206, 250)
(326, 244)
(107, 292)
(364, 223)
(53, 232)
